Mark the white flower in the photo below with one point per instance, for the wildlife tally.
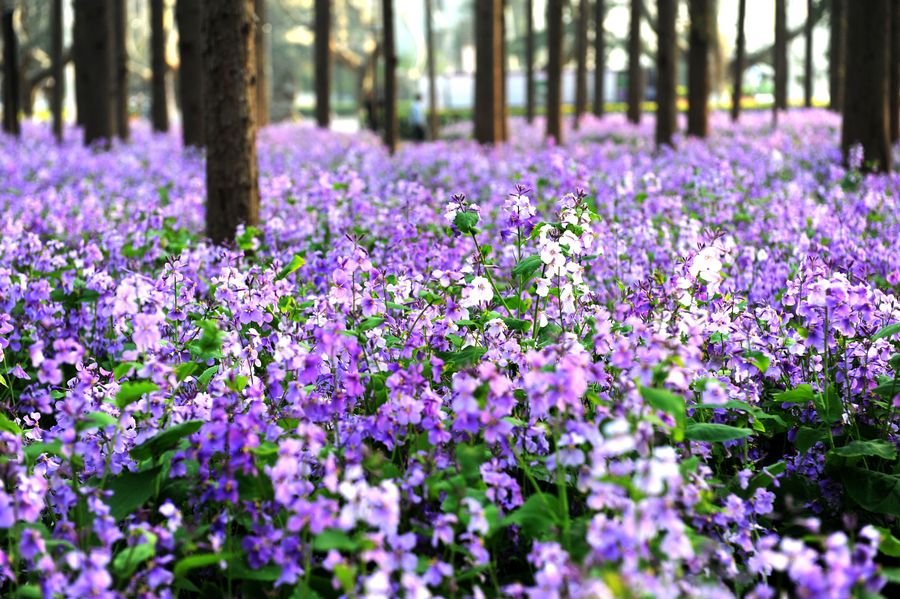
(543, 287)
(707, 265)
(478, 292)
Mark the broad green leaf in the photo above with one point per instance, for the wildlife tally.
(131, 490)
(470, 458)
(9, 426)
(800, 394)
(711, 432)
(828, 405)
(370, 323)
(182, 371)
(535, 516)
(889, 544)
(296, 263)
(133, 391)
(666, 401)
(466, 221)
(334, 538)
(527, 267)
(128, 559)
(462, 358)
(874, 491)
(201, 560)
(758, 359)
(206, 375)
(872, 447)
(95, 420)
(806, 437)
(165, 440)
(517, 324)
(888, 331)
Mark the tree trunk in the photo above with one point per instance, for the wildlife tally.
(390, 76)
(56, 58)
(808, 57)
(189, 15)
(120, 19)
(781, 61)
(739, 63)
(230, 89)
(323, 62)
(262, 63)
(837, 54)
(667, 67)
(503, 72)
(79, 59)
(698, 67)
(581, 49)
(529, 61)
(433, 122)
(158, 65)
(635, 75)
(94, 22)
(489, 71)
(866, 119)
(554, 70)
(599, 56)
(894, 84)
(10, 74)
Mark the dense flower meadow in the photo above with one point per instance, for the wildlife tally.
(582, 371)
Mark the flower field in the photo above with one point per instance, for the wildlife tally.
(582, 371)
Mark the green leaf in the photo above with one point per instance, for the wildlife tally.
(892, 575)
(334, 538)
(201, 560)
(128, 559)
(800, 394)
(370, 323)
(131, 490)
(888, 331)
(873, 447)
(548, 334)
(889, 544)
(711, 432)
(123, 369)
(166, 440)
(296, 263)
(874, 491)
(206, 375)
(466, 221)
(527, 267)
(131, 392)
(9, 426)
(758, 359)
(517, 324)
(828, 405)
(29, 591)
(462, 358)
(182, 371)
(536, 515)
(95, 420)
(666, 401)
(470, 458)
(806, 437)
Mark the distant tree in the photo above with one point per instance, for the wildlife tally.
(808, 73)
(635, 75)
(701, 33)
(866, 84)
(780, 58)
(189, 17)
(554, 69)
(230, 90)
(837, 53)
(489, 81)
(581, 50)
(56, 60)
(599, 56)
(433, 122)
(894, 83)
(120, 85)
(10, 70)
(667, 68)
(95, 66)
(529, 61)
(739, 62)
(390, 76)
(323, 62)
(262, 64)
(160, 113)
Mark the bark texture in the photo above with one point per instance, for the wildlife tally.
(433, 122)
(529, 61)
(262, 63)
(866, 119)
(635, 75)
(120, 100)
(159, 110)
(599, 57)
(230, 90)
(701, 15)
(191, 72)
(56, 60)
(808, 72)
(740, 60)
(96, 66)
(554, 70)
(667, 68)
(780, 58)
(323, 63)
(489, 80)
(10, 73)
(390, 76)
(581, 50)
(837, 53)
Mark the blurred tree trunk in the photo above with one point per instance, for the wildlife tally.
(120, 19)
(189, 16)
(230, 90)
(262, 64)
(554, 70)
(635, 75)
(433, 122)
(56, 59)
(702, 25)
(94, 23)
(894, 88)
(529, 61)
(323, 62)
(489, 110)
(837, 54)
(780, 60)
(866, 85)
(667, 68)
(808, 57)
(10, 72)
(599, 56)
(581, 50)
(503, 70)
(739, 63)
(79, 54)
(160, 113)
(390, 76)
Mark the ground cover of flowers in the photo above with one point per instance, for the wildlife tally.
(585, 371)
